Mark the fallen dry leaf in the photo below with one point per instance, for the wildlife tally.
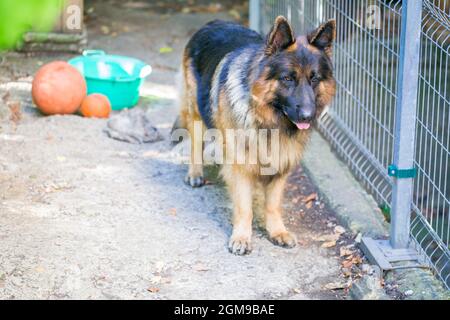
(311, 197)
(153, 289)
(136, 5)
(200, 267)
(347, 264)
(173, 211)
(214, 8)
(335, 286)
(40, 269)
(16, 114)
(328, 237)
(309, 205)
(105, 29)
(343, 252)
(356, 260)
(328, 244)
(6, 96)
(165, 50)
(346, 273)
(166, 280)
(235, 14)
(156, 279)
(339, 229)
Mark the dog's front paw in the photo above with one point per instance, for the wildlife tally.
(194, 182)
(240, 245)
(284, 239)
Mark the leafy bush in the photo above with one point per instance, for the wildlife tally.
(18, 17)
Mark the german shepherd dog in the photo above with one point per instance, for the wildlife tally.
(235, 79)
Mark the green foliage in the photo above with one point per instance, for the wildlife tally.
(386, 211)
(18, 17)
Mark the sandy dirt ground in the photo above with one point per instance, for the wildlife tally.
(85, 216)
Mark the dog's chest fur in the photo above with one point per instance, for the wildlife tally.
(233, 108)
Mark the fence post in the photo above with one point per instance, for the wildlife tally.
(301, 16)
(254, 15)
(405, 123)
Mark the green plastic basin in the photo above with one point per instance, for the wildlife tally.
(117, 77)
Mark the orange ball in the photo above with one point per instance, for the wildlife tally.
(58, 88)
(96, 105)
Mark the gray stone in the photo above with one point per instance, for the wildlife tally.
(418, 284)
(368, 288)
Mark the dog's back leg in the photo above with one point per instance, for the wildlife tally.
(192, 121)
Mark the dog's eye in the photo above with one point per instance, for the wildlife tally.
(287, 78)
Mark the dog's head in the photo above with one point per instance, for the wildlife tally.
(296, 80)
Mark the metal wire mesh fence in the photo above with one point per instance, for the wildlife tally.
(360, 124)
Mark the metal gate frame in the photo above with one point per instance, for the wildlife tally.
(401, 250)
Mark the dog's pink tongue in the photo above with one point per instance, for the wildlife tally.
(303, 125)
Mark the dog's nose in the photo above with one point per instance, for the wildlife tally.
(306, 114)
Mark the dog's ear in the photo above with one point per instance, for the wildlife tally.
(323, 37)
(280, 36)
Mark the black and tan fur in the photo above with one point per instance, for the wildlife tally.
(235, 79)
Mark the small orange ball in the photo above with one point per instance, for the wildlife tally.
(96, 105)
(58, 88)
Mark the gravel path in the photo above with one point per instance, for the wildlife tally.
(85, 216)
